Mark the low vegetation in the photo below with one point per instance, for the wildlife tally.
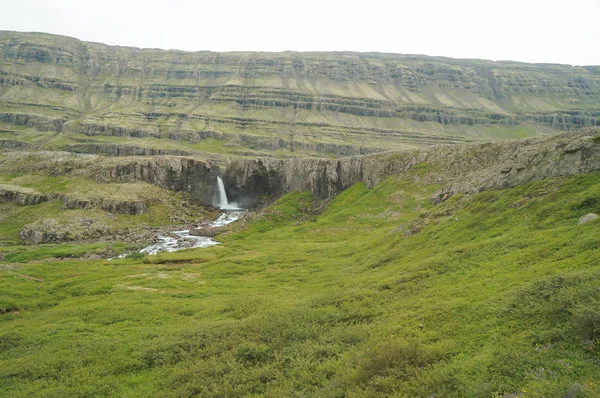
(379, 294)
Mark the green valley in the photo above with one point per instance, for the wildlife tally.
(495, 294)
(408, 225)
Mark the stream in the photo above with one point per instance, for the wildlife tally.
(180, 240)
(186, 241)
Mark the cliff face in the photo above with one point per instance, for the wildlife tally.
(21, 196)
(294, 104)
(174, 173)
(459, 169)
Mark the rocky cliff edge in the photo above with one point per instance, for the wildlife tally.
(457, 168)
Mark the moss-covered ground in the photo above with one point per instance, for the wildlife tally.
(382, 294)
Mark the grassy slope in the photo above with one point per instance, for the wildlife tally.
(496, 294)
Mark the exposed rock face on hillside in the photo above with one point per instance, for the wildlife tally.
(131, 207)
(297, 104)
(463, 168)
(13, 144)
(175, 173)
(28, 197)
(502, 165)
(21, 196)
(51, 231)
(458, 168)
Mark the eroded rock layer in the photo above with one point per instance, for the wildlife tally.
(465, 168)
(56, 91)
(459, 168)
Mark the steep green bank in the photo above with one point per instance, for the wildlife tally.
(61, 93)
(381, 294)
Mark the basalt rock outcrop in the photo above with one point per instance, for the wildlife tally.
(39, 123)
(460, 169)
(296, 104)
(14, 144)
(20, 195)
(126, 150)
(29, 197)
(181, 174)
(54, 231)
(467, 168)
(131, 207)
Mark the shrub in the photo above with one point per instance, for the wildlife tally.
(252, 353)
(586, 319)
(398, 358)
(135, 256)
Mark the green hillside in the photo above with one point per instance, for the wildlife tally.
(379, 293)
(61, 93)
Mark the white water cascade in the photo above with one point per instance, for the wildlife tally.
(222, 202)
(179, 240)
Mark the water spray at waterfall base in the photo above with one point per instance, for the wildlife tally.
(222, 202)
(179, 240)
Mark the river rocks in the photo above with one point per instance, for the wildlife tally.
(587, 218)
(21, 196)
(207, 230)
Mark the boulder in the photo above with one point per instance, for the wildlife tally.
(587, 218)
(208, 231)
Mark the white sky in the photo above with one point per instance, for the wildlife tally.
(521, 30)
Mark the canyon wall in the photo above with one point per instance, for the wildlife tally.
(457, 168)
(181, 174)
(467, 168)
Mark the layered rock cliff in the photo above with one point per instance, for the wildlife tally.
(465, 168)
(175, 173)
(21, 196)
(55, 91)
(459, 169)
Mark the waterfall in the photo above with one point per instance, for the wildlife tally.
(222, 201)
